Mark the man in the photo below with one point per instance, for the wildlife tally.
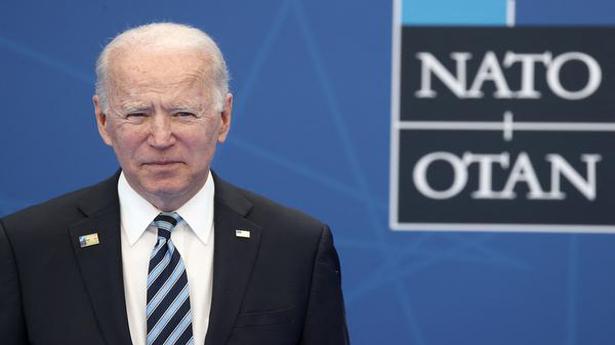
(165, 252)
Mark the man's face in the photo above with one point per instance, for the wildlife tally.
(162, 122)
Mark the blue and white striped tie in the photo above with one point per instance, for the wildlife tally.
(169, 320)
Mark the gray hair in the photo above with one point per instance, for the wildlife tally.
(165, 36)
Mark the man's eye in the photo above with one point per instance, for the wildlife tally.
(135, 115)
(185, 114)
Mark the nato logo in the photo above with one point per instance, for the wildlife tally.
(500, 127)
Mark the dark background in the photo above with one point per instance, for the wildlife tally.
(446, 106)
(575, 209)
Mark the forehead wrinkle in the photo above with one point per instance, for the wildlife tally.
(189, 92)
(180, 99)
(188, 80)
(135, 105)
(183, 90)
(168, 104)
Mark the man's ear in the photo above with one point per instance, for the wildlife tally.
(226, 116)
(101, 120)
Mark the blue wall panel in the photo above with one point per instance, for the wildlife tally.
(311, 129)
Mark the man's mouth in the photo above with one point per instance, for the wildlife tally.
(162, 163)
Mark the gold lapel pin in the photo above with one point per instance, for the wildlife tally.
(89, 240)
(242, 233)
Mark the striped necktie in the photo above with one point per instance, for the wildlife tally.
(169, 320)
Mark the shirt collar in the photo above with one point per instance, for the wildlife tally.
(137, 213)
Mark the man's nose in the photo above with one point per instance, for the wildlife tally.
(161, 131)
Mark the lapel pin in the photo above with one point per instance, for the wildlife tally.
(242, 233)
(89, 240)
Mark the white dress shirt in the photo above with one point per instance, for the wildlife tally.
(193, 238)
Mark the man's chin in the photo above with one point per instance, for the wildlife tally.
(166, 189)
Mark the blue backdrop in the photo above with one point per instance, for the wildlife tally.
(311, 129)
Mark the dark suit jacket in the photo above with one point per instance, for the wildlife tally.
(280, 286)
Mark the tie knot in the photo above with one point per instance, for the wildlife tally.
(166, 222)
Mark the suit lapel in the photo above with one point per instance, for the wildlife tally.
(234, 258)
(101, 264)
